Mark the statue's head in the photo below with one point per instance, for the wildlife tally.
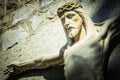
(71, 19)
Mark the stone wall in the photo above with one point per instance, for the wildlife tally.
(22, 23)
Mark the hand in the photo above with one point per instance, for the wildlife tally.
(13, 69)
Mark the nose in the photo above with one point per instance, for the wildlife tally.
(67, 22)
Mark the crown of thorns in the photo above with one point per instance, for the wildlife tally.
(67, 7)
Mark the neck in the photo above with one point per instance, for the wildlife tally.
(81, 35)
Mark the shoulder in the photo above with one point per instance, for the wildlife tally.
(63, 48)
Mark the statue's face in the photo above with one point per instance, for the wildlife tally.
(72, 23)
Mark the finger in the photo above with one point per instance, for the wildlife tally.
(5, 71)
(8, 71)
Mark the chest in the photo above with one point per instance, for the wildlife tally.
(89, 49)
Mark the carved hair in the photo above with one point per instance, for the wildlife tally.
(67, 7)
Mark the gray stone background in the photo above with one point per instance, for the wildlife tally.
(29, 28)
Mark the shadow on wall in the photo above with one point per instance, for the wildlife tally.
(52, 73)
(108, 9)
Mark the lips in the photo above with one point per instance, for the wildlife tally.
(70, 29)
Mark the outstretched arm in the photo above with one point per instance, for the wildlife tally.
(40, 62)
(111, 33)
(108, 30)
(112, 28)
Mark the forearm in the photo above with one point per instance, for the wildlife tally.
(41, 62)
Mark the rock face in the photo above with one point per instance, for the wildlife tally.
(29, 28)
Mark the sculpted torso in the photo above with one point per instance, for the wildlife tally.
(82, 54)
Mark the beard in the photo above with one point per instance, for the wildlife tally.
(73, 32)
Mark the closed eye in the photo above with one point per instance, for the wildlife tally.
(70, 16)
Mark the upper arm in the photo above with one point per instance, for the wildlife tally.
(111, 30)
(111, 26)
(54, 58)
